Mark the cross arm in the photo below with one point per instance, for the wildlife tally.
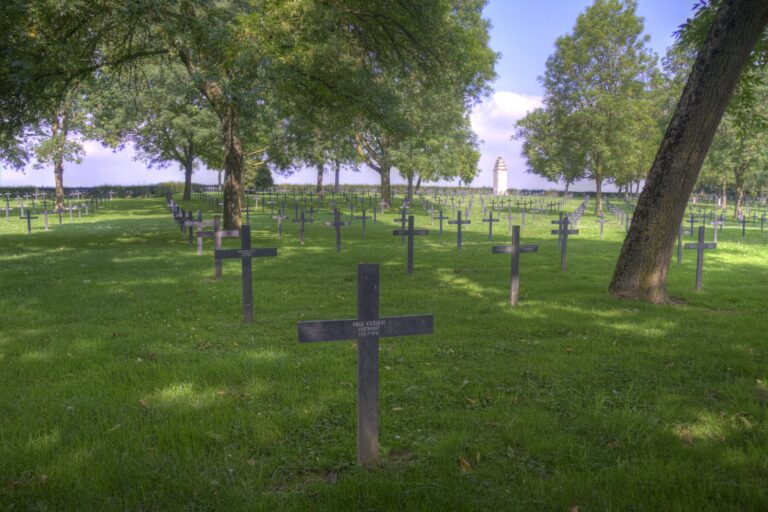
(335, 330)
(246, 253)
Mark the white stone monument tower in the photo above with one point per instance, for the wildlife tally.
(500, 178)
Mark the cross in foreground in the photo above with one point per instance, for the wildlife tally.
(700, 246)
(245, 254)
(367, 328)
(515, 249)
(410, 232)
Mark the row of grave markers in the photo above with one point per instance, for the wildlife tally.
(368, 327)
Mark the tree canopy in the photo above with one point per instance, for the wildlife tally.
(599, 106)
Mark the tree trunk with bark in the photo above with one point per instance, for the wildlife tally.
(320, 171)
(58, 176)
(189, 167)
(641, 270)
(418, 186)
(59, 132)
(738, 183)
(336, 173)
(598, 194)
(234, 162)
(409, 191)
(233, 170)
(386, 193)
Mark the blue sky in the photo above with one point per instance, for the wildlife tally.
(524, 32)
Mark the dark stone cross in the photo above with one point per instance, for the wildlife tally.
(459, 223)
(515, 250)
(245, 254)
(367, 328)
(743, 222)
(559, 223)
(700, 246)
(402, 220)
(440, 217)
(410, 232)
(301, 220)
(762, 221)
(337, 225)
(29, 218)
(490, 220)
(564, 232)
(363, 217)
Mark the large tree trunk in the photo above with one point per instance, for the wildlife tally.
(58, 130)
(58, 176)
(724, 192)
(567, 186)
(320, 171)
(386, 194)
(641, 270)
(189, 165)
(738, 183)
(336, 173)
(598, 194)
(418, 186)
(233, 170)
(409, 192)
(233, 151)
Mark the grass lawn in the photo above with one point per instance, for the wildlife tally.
(129, 382)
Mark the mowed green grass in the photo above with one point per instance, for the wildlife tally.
(129, 381)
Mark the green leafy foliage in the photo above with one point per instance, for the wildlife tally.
(601, 109)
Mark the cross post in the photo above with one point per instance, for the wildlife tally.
(700, 246)
(280, 217)
(402, 220)
(29, 218)
(515, 250)
(201, 233)
(459, 223)
(564, 232)
(337, 224)
(601, 220)
(245, 254)
(410, 232)
(363, 217)
(302, 220)
(367, 329)
(440, 217)
(490, 220)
